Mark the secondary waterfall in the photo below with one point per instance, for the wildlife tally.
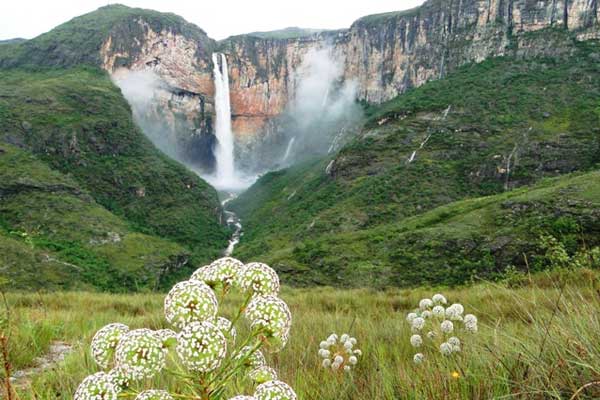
(288, 150)
(225, 171)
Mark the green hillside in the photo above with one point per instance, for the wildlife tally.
(79, 41)
(78, 124)
(54, 235)
(486, 129)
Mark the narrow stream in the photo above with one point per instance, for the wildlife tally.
(233, 221)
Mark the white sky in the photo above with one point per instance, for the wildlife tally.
(219, 18)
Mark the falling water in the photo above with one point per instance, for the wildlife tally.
(288, 150)
(225, 171)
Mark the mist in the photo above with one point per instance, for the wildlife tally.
(323, 109)
(159, 111)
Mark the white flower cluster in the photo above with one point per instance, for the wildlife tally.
(271, 390)
(201, 346)
(140, 354)
(105, 342)
(260, 279)
(338, 353)
(224, 273)
(190, 301)
(270, 316)
(154, 395)
(201, 338)
(99, 386)
(437, 326)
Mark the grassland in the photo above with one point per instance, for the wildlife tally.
(538, 339)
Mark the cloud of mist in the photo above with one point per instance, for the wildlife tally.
(323, 108)
(141, 89)
(168, 118)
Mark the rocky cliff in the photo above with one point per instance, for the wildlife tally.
(384, 54)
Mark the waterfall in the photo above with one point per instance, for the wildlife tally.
(288, 150)
(225, 169)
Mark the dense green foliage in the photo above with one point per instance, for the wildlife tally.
(486, 129)
(54, 235)
(79, 40)
(77, 122)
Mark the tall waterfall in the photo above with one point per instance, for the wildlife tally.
(225, 172)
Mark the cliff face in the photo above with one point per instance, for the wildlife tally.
(384, 54)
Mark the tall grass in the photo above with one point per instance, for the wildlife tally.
(539, 340)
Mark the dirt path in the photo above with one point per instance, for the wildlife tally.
(56, 353)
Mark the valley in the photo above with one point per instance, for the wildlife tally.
(339, 177)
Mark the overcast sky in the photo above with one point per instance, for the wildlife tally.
(219, 18)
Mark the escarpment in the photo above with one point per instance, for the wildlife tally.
(383, 54)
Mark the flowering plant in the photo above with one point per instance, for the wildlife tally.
(435, 326)
(201, 350)
(338, 352)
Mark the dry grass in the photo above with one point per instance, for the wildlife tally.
(537, 341)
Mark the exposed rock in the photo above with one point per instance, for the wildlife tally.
(384, 54)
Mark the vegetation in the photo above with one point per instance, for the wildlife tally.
(96, 170)
(284, 34)
(395, 197)
(383, 18)
(536, 340)
(79, 41)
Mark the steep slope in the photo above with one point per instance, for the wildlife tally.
(78, 123)
(477, 238)
(80, 40)
(54, 235)
(487, 128)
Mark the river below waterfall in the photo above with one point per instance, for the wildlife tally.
(234, 222)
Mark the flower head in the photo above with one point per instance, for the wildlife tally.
(418, 323)
(224, 272)
(339, 355)
(447, 326)
(263, 374)
(140, 354)
(439, 299)
(99, 386)
(418, 358)
(446, 348)
(272, 317)
(471, 327)
(250, 359)
(242, 397)
(425, 304)
(201, 346)
(274, 390)
(454, 312)
(119, 378)
(154, 395)
(190, 301)
(167, 337)
(416, 340)
(410, 317)
(259, 279)
(202, 274)
(105, 342)
(438, 311)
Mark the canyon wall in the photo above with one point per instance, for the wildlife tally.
(384, 54)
